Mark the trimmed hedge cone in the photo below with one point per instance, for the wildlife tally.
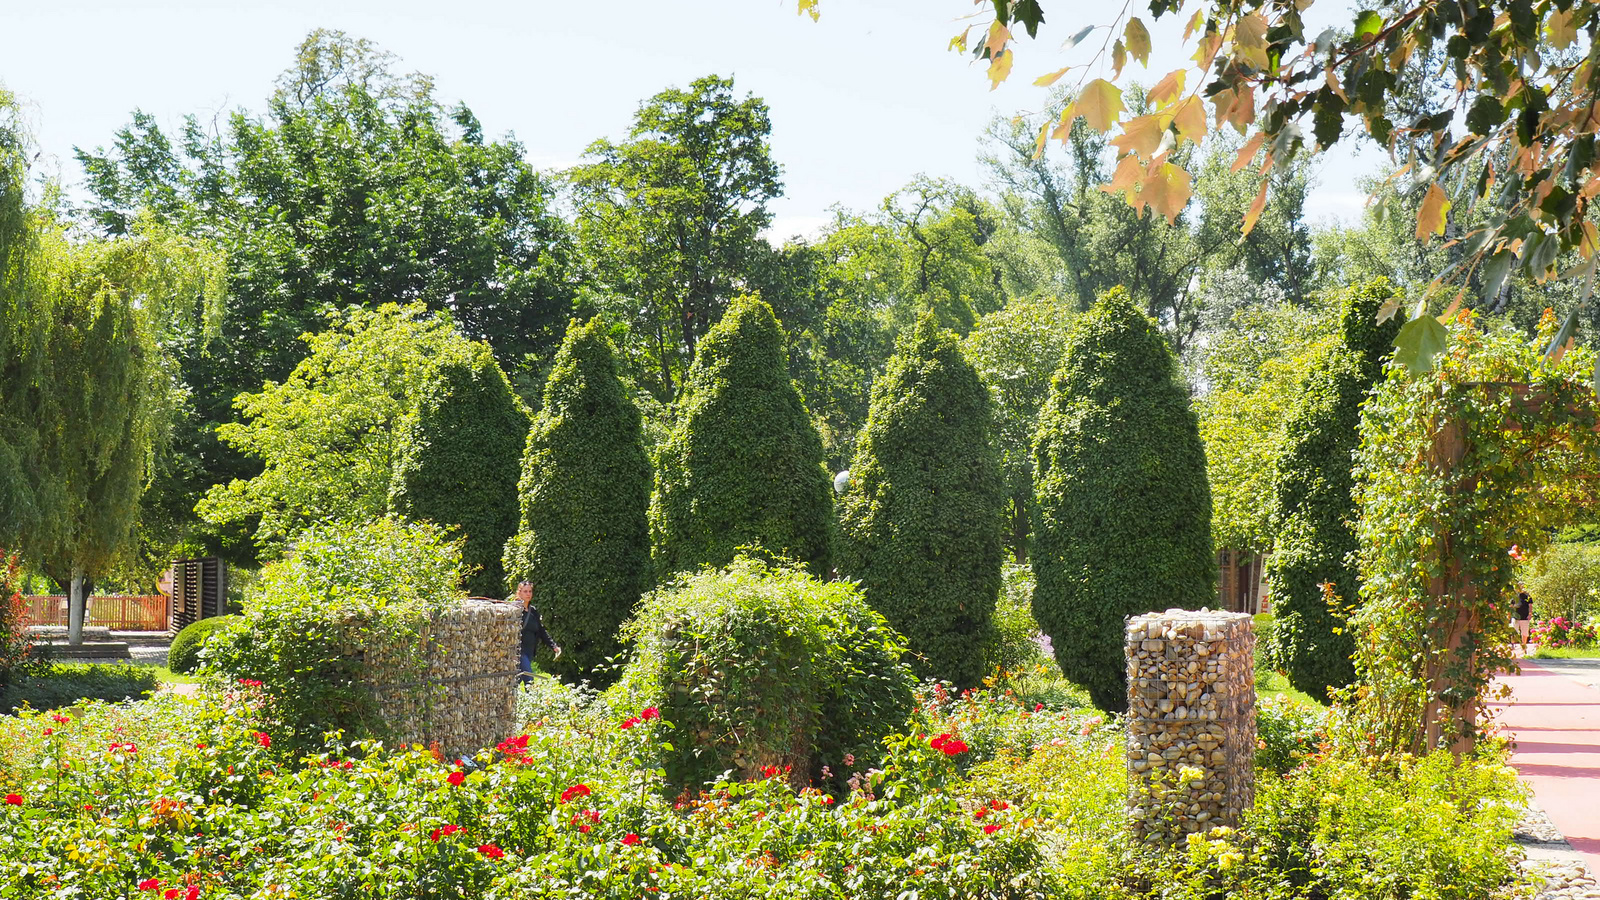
(1314, 507)
(457, 463)
(584, 540)
(921, 523)
(743, 466)
(1122, 507)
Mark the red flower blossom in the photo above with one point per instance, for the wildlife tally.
(629, 723)
(991, 829)
(585, 829)
(262, 738)
(1038, 706)
(593, 815)
(192, 893)
(630, 839)
(59, 719)
(769, 771)
(577, 790)
(650, 712)
(826, 800)
(149, 884)
(1000, 804)
(455, 778)
(172, 894)
(491, 851)
(249, 682)
(125, 747)
(13, 799)
(980, 812)
(49, 731)
(513, 746)
(443, 831)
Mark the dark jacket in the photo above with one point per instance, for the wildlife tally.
(533, 633)
(1524, 605)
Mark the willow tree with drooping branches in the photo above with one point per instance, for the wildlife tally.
(1491, 447)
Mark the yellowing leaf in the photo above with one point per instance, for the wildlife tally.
(1208, 46)
(1138, 39)
(1141, 135)
(1388, 309)
(1590, 240)
(1189, 118)
(1194, 22)
(809, 8)
(1256, 209)
(1249, 151)
(1125, 180)
(1251, 31)
(1052, 78)
(1236, 106)
(999, 35)
(1167, 191)
(1168, 88)
(1119, 58)
(1562, 28)
(1000, 67)
(959, 42)
(1451, 310)
(1333, 85)
(1430, 218)
(1100, 104)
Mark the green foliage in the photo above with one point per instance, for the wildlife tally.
(183, 656)
(1314, 511)
(1123, 511)
(457, 459)
(327, 436)
(1564, 580)
(67, 684)
(342, 593)
(584, 539)
(759, 666)
(1288, 731)
(671, 218)
(743, 464)
(1014, 633)
(920, 524)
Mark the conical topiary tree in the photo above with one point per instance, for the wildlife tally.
(1122, 507)
(457, 459)
(743, 464)
(584, 539)
(1314, 508)
(921, 524)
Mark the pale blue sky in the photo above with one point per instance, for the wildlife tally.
(861, 101)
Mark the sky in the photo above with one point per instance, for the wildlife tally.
(862, 100)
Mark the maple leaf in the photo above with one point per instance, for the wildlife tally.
(1451, 310)
(1250, 40)
(1168, 88)
(1000, 67)
(1418, 342)
(1248, 151)
(1189, 119)
(1194, 22)
(1052, 78)
(1141, 135)
(1236, 106)
(959, 42)
(1256, 209)
(1562, 28)
(1430, 218)
(999, 35)
(1119, 58)
(1208, 46)
(1167, 190)
(1064, 129)
(1100, 104)
(1138, 40)
(1125, 180)
(1388, 310)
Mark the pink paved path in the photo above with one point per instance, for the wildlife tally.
(1555, 720)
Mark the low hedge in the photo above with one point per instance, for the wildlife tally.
(64, 684)
(184, 654)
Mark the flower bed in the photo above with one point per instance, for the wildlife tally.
(1562, 632)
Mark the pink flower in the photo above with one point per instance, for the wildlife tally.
(650, 712)
(455, 778)
(13, 799)
(491, 851)
(577, 790)
(49, 731)
(149, 884)
(630, 839)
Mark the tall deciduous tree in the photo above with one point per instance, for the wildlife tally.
(920, 525)
(743, 465)
(1123, 512)
(584, 539)
(671, 217)
(457, 461)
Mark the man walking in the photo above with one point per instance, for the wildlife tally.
(533, 633)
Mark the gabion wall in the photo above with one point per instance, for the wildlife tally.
(1191, 721)
(466, 698)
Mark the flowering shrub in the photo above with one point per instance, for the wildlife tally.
(1564, 632)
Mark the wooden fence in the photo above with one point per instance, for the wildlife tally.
(119, 613)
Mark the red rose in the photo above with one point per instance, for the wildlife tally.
(491, 851)
(455, 778)
(630, 723)
(262, 738)
(59, 719)
(650, 712)
(192, 893)
(953, 747)
(585, 829)
(149, 884)
(577, 790)
(980, 812)
(14, 799)
(171, 894)
(630, 839)
(249, 682)
(991, 829)
(938, 742)
(769, 771)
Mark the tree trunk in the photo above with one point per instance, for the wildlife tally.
(77, 605)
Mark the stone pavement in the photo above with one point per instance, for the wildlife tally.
(1554, 717)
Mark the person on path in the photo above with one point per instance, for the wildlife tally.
(1521, 615)
(533, 633)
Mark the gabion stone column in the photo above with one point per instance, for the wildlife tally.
(1191, 721)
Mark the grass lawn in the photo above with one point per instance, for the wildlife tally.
(1565, 653)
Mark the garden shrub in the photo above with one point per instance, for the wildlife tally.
(65, 684)
(584, 539)
(16, 651)
(1014, 633)
(1564, 580)
(184, 653)
(1314, 507)
(921, 523)
(343, 593)
(1288, 731)
(1562, 633)
(758, 666)
(1122, 505)
(743, 464)
(456, 463)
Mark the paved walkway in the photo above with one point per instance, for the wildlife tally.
(1554, 716)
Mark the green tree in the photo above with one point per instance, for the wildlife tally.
(670, 219)
(921, 523)
(326, 436)
(1123, 511)
(743, 464)
(1314, 509)
(584, 539)
(355, 187)
(457, 459)
(1016, 350)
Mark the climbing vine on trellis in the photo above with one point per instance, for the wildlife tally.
(1492, 447)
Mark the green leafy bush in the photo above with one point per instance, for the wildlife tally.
(743, 464)
(1288, 732)
(1122, 506)
(456, 462)
(1014, 633)
(184, 654)
(1315, 509)
(1564, 580)
(64, 684)
(920, 525)
(584, 539)
(344, 592)
(760, 666)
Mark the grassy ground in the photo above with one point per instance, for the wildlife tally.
(1565, 653)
